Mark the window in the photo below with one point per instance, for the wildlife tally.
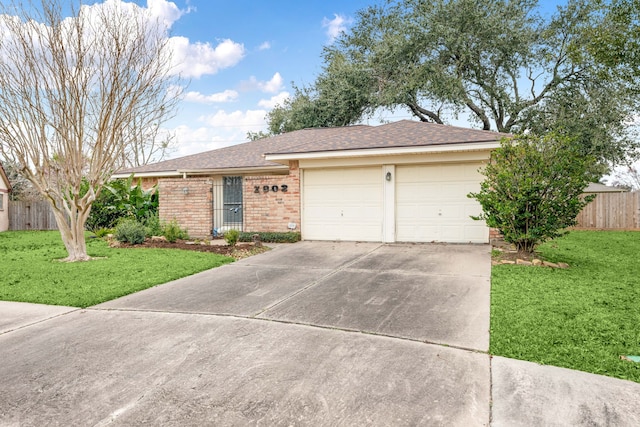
(1, 202)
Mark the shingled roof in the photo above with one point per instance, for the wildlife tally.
(251, 155)
(404, 133)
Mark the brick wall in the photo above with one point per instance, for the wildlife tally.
(193, 211)
(147, 183)
(272, 210)
(494, 235)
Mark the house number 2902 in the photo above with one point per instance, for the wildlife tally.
(274, 188)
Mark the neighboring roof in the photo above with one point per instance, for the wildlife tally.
(601, 188)
(5, 178)
(360, 138)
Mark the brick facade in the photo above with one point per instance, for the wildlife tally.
(147, 183)
(268, 210)
(494, 234)
(265, 210)
(194, 210)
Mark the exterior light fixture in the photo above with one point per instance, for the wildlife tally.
(185, 190)
(388, 176)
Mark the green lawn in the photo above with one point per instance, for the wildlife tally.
(30, 270)
(582, 318)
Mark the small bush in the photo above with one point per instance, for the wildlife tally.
(153, 225)
(271, 237)
(231, 237)
(172, 231)
(102, 232)
(131, 231)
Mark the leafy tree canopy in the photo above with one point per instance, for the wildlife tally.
(498, 62)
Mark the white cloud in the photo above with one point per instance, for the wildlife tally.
(225, 96)
(198, 59)
(192, 141)
(264, 46)
(336, 26)
(274, 100)
(218, 130)
(271, 86)
(166, 11)
(250, 120)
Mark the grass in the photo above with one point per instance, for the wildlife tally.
(581, 318)
(31, 271)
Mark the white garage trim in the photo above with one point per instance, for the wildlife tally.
(390, 151)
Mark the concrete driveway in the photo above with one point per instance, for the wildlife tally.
(315, 333)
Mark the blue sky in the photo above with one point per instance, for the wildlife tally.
(254, 50)
(280, 41)
(241, 58)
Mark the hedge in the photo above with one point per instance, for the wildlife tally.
(270, 237)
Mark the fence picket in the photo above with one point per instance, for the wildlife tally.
(25, 215)
(611, 211)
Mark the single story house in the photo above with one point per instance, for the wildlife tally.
(597, 188)
(399, 182)
(5, 189)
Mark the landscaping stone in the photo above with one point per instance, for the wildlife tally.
(158, 239)
(536, 261)
(550, 264)
(523, 262)
(563, 265)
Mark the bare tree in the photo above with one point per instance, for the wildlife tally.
(626, 175)
(76, 94)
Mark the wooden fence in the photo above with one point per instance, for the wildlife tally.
(31, 216)
(612, 211)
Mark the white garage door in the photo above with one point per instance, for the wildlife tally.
(432, 204)
(342, 204)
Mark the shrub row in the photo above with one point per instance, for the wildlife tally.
(271, 237)
(132, 231)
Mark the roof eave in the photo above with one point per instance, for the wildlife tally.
(278, 169)
(284, 158)
(5, 178)
(153, 174)
(238, 170)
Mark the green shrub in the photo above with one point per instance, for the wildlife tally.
(533, 187)
(172, 231)
(102, 232)
(153, 225)
(271, 237)
(231, 237)
(131, 231)
(121, 198)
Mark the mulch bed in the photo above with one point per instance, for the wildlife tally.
(241, 250)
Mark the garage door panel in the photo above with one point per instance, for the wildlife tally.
(432, 204)
(342, 204)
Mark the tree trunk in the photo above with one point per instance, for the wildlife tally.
(72, 233)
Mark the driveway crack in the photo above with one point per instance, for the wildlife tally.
(315, 282)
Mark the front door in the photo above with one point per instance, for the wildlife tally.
(232, 202)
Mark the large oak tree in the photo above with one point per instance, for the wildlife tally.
(79, 91)
(500, 63)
